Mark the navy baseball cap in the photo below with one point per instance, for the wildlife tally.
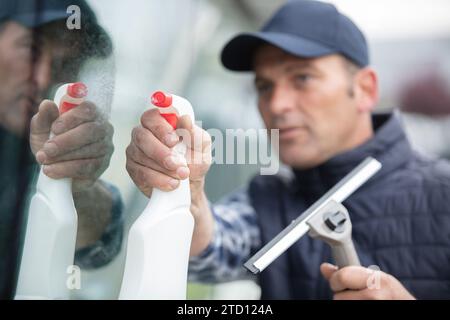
(36, 13)
(304, 28)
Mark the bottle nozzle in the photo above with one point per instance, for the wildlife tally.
(162, 100)
(77, 90)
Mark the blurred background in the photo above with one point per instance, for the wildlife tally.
(174, 45)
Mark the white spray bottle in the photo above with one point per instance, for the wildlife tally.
(50, 237)
(159, 241)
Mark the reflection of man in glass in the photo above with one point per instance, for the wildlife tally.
(37, 52)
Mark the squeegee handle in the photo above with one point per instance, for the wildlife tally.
(344, 254)
(332, 225)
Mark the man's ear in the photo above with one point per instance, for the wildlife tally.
(366, 89)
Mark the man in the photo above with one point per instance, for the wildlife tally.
(315, 85)
(37, 52)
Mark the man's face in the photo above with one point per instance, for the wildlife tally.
(310, 101)
(27, 70)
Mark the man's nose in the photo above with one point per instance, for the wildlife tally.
(282, 100)
(43, 72)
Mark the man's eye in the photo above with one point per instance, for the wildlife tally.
(30, 48)
(263, 87)
(303, 78)
(26, 43)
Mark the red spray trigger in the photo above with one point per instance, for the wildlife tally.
(162, 100)
(171, 118)
(66, 106)
(75, 90)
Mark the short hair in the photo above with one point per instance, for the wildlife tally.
(2, 25)
(91, 44)
(351, 68)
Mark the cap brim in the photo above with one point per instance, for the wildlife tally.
(237, 55)
(97, 35)
(35, 19)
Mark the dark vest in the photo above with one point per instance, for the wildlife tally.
(17, 166)
(401, 218)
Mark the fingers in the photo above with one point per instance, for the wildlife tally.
(147, 179)
(352, 277)
(193, 136)
(152, 163)
(365, 294)
(327, 270)
(43, 119)
(96, 149)
(198, 143)
(82, 145)
(198, 168)
(85, 112)
(75, 139)
(134, 153)
(159, 127)
(385, 286)
(83, 169)
(154, 149)
(41, 123)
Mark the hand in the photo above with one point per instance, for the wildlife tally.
(151, 164)
(150, 161)
(359, 283)
(81, 148)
